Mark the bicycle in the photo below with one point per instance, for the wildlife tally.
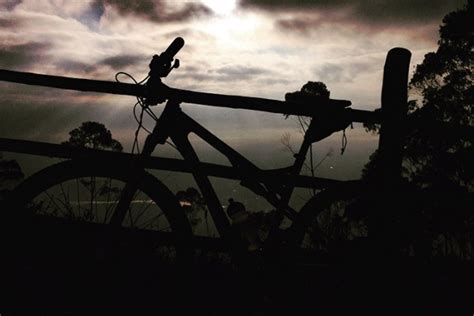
(276, 186)
(127, 210)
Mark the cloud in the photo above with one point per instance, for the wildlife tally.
(75, 67)
(121, 61)
(202, 74)
(298, 25)
(367, 11)
(9, 4)
(156, 10)
(7, 22)
(47, 114)
(275, 81)
(236, 73)
(92, 15)
(346, 71)
(20, 56)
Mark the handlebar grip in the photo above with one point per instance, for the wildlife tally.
(174, 48)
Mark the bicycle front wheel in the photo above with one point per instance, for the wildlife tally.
(88, 192)
(60, 245)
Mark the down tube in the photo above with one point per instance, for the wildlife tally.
(184, 147)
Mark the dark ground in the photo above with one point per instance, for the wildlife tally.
(58, 269)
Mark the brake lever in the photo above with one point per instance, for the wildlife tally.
(174, 66)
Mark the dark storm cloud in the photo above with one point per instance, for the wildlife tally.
(47, 114)
(22, 55)
(297, 25)
(366, 11)
(115, 63)
(92, 15)
(121, 61)
(75, 66)
(155, 10)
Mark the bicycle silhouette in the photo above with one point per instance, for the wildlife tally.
(103, 187)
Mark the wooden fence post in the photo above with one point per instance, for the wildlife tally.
(394, 110)
(383, 230)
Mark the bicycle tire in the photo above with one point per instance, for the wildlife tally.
(43, 256)
(394, 107)
(322, 201)
(72, 170)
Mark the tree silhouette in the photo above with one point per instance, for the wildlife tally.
(196, 210)
(444, 81)
(441, 162)
(93, 135)
(10, 175)
(310, 89)
(315, 88)
(97, 136)
(437, 162)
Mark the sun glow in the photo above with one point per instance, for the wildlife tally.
(221, 7)
(231, 27)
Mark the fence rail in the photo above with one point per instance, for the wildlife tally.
(203, 98)
(158, 163)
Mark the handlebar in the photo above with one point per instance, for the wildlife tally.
(174, 48)
(160, 65)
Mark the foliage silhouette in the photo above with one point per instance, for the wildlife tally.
(89, 135)
(315, 88)
(10, 175)
(196, 210)
(93, 135)
(332, 227)
(311, 89)
(437, 162)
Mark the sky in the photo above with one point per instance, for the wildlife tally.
(261, 48)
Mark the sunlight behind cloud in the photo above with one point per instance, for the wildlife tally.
(231, 48)
(231, 27)
(221, 7)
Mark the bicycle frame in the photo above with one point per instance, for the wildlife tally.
(176, 125)
(276, 186)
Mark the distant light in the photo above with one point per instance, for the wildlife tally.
(331, 167)
(222, 7)
(185, 203)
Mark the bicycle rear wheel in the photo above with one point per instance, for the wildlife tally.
(330, 214)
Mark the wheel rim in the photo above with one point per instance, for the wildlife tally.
(93, 199)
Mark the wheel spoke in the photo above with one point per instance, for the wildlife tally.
(107, 208)
(143, 210)
(77, 196)
(130, 209)
(101, 195)
(52, 199)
